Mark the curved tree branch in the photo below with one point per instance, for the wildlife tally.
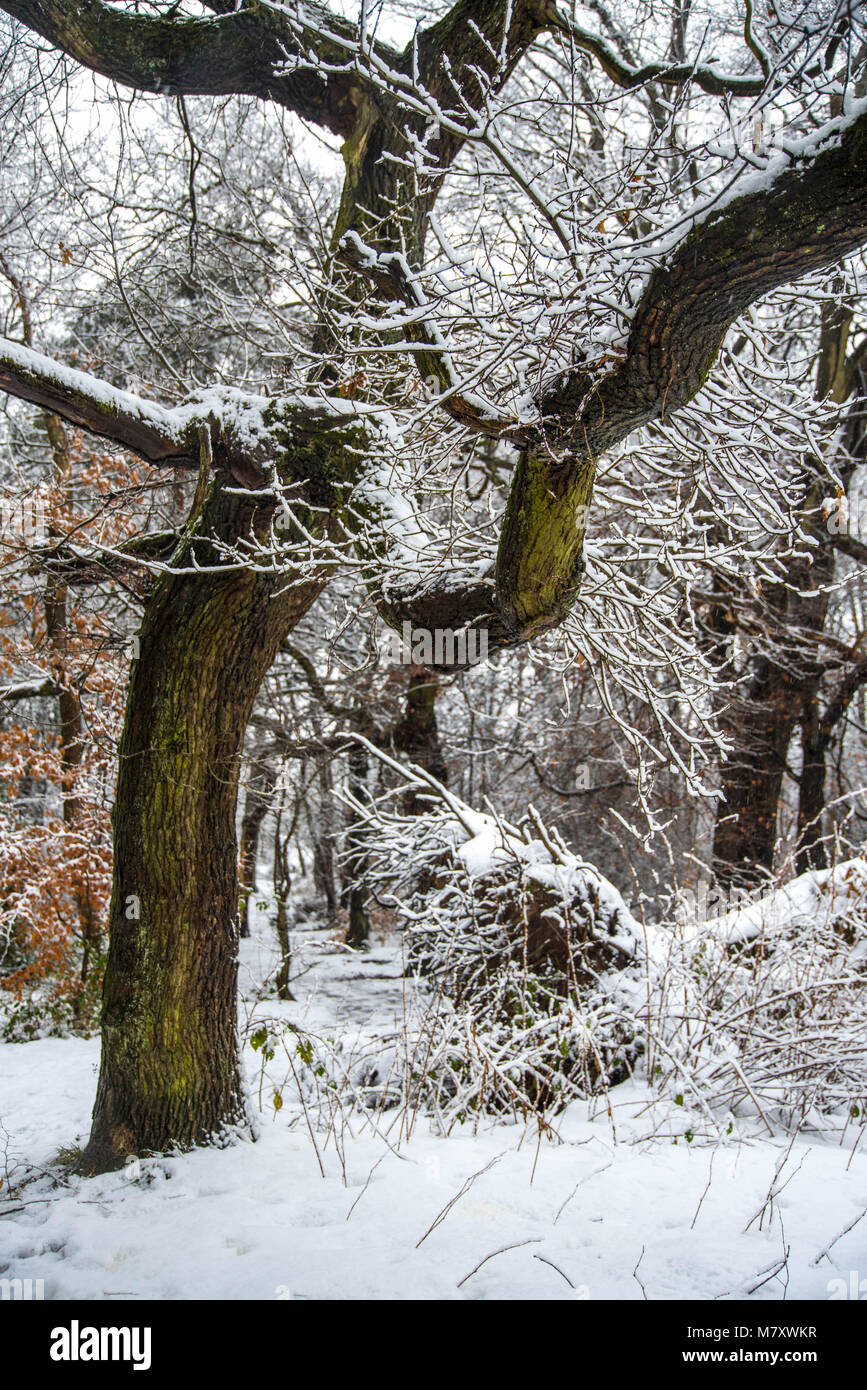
(144, 426)
(810, 216)
(302, 58)
(629, 75)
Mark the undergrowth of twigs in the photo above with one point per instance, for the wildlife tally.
(531, 986)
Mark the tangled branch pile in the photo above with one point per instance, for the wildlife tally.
(540, 986)
(534, 969)
(763, 1010)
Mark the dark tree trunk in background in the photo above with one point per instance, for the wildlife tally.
(818, 732)
(745, 834)
(838, 377)
(322, 838)
(783, 691)
(282, 883)
(69, 709)
(811, 853)
(763, 720)
(358, 932)
(417, 734)
(256, 804)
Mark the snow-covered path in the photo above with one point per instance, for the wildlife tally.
(334, 987)
(609, 1213)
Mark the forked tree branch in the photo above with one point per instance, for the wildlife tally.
(390, 273)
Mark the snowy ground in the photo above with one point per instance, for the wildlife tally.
(609, 1213)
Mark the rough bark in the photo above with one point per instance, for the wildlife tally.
(762, 720)
(815, 213)
(812, 215)
(745, 834)
(169, 1073)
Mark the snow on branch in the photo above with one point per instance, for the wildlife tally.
(707, 76)
(299, 56)
(392, 275)
(41, 687)
(153, 431)
(533, 960)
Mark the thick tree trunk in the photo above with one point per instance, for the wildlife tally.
(170, 1067)
(745, 834)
